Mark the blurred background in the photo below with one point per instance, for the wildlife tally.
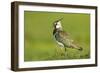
(40, 43)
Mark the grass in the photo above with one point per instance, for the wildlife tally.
(39, 41)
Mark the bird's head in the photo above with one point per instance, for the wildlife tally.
(57, 24)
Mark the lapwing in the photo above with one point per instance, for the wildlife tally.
(62, 38)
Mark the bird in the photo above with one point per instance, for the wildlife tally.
(63, 38)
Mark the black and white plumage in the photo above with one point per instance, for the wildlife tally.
(62, 38)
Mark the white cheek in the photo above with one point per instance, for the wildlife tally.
(58, 26)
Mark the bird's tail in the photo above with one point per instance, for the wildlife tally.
(76, 47)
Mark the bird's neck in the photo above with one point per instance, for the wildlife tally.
(57, 30)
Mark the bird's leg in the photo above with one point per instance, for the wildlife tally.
(65, 50)
(80, 52)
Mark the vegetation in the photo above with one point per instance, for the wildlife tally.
(40, 43)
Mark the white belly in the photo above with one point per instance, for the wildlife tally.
(60, 44)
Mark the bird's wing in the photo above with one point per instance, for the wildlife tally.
(63, 37)
(67, 41)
